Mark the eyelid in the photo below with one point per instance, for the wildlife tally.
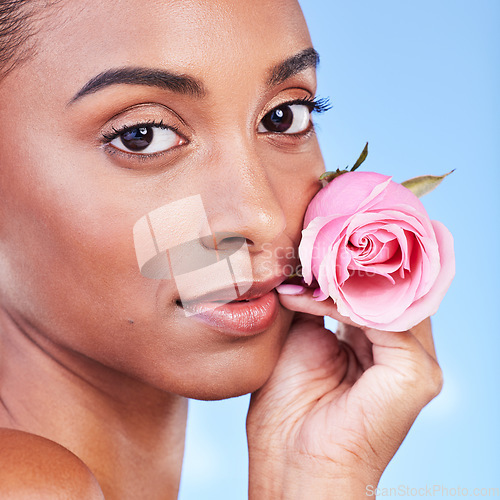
(312, 103)
(107, 138)
(145, 113)
(315, 104)
(136, 156)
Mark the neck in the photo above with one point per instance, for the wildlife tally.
(130, 434)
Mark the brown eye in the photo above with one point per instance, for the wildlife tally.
(137, 139)
(146, 139)
(279, 119)
(286, 119)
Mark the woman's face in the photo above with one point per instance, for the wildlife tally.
(189, 113)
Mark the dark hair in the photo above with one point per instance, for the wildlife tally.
(16, 29)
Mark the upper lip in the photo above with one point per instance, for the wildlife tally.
(227, 294)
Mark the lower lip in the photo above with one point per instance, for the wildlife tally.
(238, 318)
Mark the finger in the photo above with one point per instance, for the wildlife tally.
(301, 317)
(304, 302)
(403, 352)
(362, 346)
(413, 366)
(423, 332)
(359, 343)
(393, 342)
(418, 338)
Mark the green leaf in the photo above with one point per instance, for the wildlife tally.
(424, 184)
(361, 159)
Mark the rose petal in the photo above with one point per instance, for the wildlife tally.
(376, 298)
(331, 199)
(327, 279)
(430, 264)
(307, 246)
(372, 198)
(409, 218)
(318, 295)
(359, 186)
(323, 277)
(429, 303)
(326, 237)
(375, 252)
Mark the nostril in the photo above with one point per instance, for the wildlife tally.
(225, 241)
(231, 242)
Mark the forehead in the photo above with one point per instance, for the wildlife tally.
(205, 38)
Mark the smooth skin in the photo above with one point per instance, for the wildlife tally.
(97, 361)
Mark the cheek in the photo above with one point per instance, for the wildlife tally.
(295, 182)
(66, 246)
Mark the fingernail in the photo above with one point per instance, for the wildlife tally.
(290, 289)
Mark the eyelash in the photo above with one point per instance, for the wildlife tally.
(153, 123)
(315, 105)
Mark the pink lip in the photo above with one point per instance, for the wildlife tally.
(238, 318)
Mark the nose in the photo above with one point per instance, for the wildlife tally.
(243, 203)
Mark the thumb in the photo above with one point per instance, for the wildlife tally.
(300, 299)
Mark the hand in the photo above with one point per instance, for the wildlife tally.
(337, 406)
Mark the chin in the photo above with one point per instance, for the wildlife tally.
(237, 386)
(229, 379)
(241, 369)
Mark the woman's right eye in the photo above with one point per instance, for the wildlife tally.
(146, 139)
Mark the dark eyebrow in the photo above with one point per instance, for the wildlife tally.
(182, 84)
(307, 58)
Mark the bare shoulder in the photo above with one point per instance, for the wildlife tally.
(34, 467)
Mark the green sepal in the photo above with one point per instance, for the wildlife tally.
(326, 177)
(424, 184)
(361, 159)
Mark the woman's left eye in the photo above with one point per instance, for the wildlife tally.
(146, 139)
(286, 119)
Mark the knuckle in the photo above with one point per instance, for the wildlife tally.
(436, 379)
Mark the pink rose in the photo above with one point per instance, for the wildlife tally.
(372, 248)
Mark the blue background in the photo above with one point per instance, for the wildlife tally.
(420, 81)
